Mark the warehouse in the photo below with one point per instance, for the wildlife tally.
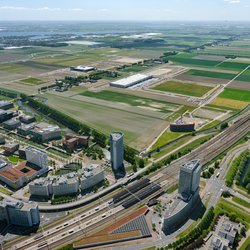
(130, 81)
(82, 68)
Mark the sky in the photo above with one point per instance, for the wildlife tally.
(138, 10)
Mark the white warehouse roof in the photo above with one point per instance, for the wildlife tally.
(130, 81)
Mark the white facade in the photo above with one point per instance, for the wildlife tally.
(130, 81)
(91, 178)
(37, 157)
(41, 187)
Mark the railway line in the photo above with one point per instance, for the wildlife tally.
(140, 191)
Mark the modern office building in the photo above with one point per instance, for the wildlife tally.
(27, 119)
(37, 157)
(5, 105)
(189, 178)
(91, 177)
(187, 198)
(116, 150)
(19, 213)
(43, 132)
(12, 124)
(5, 115)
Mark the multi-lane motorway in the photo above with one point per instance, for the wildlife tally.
(84, 223)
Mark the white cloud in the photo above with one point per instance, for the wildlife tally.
(103, 10)
(232, 1)
(45, 8)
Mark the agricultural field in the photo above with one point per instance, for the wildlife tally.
(184, 88)
(211, 74)
(236, 94)
(32, 81)
(132, 100)
(229, 103)
(139, 129)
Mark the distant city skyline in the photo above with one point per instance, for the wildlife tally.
(136, 10)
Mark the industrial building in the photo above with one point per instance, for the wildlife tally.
(25, 129)
(187, 198)
(43, 132)
(67, 184)
(130, 81)
(116, 150)
(82, 68)
(19, 213)
(37, 157)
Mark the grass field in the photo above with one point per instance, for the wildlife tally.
(210, 125)
(211, 74)
(139, 129)
(183, 88)
(5, 191)
(166, 137)
(131, 100)
(241, 202)
(236, 94)
(33, 81)
(246, 244)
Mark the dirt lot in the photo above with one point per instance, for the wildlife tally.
(210, 57)
(240, 85)
(128, 60)
(209, 114)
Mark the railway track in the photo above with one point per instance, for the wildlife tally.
(141, 191)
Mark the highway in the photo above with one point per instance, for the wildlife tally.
(169, 175)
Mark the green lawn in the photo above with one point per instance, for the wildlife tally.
(241, 202)
(236, 94)
(167, 137)
(211, 124)
(183, 88)
(33, 81)
(5, 191)
(14, 159)
(246, 244)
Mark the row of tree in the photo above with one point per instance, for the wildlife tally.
(76, 126)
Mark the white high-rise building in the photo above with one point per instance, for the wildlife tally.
(37, 157)
(116, 150)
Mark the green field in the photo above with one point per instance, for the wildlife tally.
(139, 128)
(241, 202)
(236, 94)
(183, 88)
(131, 100)
(165, 138)
(5, 191)
(211, 74)
(33, 81)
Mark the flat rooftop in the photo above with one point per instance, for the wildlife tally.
(126, 82)
(191, 165)
(116, 135)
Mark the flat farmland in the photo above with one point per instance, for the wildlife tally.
(131, 100)
(236, 94)
(211, 74)
(229, 103)
(32, 81)
(184, 88)
(140, 130)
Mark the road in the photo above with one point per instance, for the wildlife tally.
(206, 152)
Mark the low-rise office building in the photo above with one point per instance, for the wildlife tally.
(19, 213)
(11, 148)
(91, 177)
(12, 124)
(5, 115)
(74, 141)
(43, 132)
(5, 105)
(27, 119)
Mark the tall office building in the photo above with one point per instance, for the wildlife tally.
(189, 178)
(116, 150)
(37, 157)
